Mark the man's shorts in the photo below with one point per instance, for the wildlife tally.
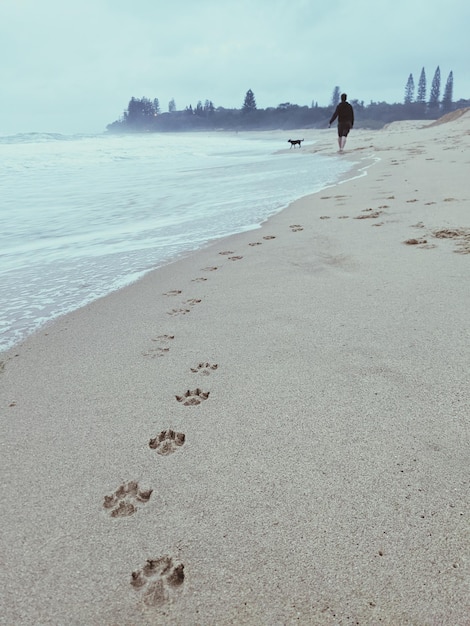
(343, 129)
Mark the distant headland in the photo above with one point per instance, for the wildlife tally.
(145, 115)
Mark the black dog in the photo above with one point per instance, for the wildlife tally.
(295, 142)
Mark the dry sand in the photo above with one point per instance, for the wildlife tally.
(271, 431)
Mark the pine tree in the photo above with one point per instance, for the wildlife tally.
(448, 92)
(249, 103)
(156, 105)
(140, 112)
(172, 106)
(335, 98)
(421, 96)
(209, 107)
(409, 90)
(435, 90)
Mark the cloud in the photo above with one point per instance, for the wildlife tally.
(74, 66)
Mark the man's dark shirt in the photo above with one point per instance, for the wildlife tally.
(345, 114)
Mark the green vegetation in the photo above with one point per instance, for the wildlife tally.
(144, 115)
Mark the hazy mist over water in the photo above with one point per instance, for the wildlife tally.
(81, 216)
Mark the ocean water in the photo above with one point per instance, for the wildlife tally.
(81, 216)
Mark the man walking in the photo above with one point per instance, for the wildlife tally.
(345, 114)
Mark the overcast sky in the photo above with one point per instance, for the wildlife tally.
(73, 65)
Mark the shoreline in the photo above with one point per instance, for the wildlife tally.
(42, 325)
(295, 397)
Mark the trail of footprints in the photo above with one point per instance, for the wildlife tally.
(159, 579)
(459, 235)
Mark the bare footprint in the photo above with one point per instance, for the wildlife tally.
(200, 279)
(210, 269)
(157, 580)
(255, 243)
(295, 227)
(226, 252)
(235, 258)
(193, 398)
(269, 237)
(123, 502)
(204, 368)
(193, 301)
(167, 442)
(324, 217)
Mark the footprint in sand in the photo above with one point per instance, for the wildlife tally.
(227, 252)
(193, 398)
(204, 368)
(178, 311)
(269, 237)
(212, 268)
(184, 311)
(324, 217)
(235, 258)
(200, 279)
(167, 442)
(295, 227)
(162, 349)
(461, 235)
(415, 242)
(173, 292)
(255, 243)
(123, 502)
(369, 214)
(343, 217)
(157, 580)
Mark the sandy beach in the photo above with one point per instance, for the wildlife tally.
(271, 431)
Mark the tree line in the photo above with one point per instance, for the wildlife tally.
(145, 115)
